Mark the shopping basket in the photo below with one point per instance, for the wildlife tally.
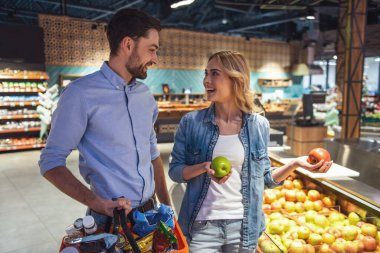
(182, 243)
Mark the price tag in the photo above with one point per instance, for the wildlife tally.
(26, 116)
(26, 129)
(9, 117)
(21, 103)
(34, 103)
(12, 104)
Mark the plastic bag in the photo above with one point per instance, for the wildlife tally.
(145, 223)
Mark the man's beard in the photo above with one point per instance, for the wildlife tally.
(135, 68)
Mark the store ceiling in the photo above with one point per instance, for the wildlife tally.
(277, 19)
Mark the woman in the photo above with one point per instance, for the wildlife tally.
(225, 214)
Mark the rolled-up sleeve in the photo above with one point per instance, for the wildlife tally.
(268, 179)
(68, 125)
(177, 163)
(154, 152)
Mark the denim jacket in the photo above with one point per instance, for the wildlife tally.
(195, 140)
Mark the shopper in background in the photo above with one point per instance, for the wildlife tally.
(109, 117)
(225, 214)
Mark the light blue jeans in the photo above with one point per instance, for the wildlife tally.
(217, 236)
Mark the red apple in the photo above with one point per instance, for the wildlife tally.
(276, 206)
(290, 195)
(318, 154)
(351, 247)
(325, 248)
(269, 196)
(267, 208)
(308, 248)
(338, 247)
(313, 195)
(369, 243)
(337, 233)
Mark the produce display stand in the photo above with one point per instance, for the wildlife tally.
(343, 202)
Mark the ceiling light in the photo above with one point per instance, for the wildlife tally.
(181, 3)
(310, 14)
(377, 59)
(335, 57)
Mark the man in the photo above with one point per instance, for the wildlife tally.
(109, 117)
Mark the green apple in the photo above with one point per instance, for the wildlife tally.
(353, 218)
(221, 166)
(315, 239)
(349, 233)
(303, 232)
(328, 238)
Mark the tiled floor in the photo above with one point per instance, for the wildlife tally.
(33, 213)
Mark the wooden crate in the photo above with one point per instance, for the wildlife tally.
(300, 148)
(306, 134)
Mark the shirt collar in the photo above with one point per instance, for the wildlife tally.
(115, 80)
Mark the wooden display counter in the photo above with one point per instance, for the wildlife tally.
(170, 114)
(302, 139)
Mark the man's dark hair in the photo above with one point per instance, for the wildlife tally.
(129, 22)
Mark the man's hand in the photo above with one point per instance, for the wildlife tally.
(107, 206)
(211, 172)
(320, 167)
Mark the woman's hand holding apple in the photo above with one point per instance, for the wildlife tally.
(211, 172)
(320, 167)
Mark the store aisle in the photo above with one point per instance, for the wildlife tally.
(33, 213)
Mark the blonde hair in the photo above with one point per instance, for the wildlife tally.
(236, 67)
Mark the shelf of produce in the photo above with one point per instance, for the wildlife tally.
(22, 147)
(27, 116)
(20, 130)
(304, 213)
(20, 103)
(5, 91)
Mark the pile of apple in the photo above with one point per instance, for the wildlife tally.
(299, 220)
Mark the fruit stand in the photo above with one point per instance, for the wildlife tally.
(309, 214)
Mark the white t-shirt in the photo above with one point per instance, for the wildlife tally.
(225, 201)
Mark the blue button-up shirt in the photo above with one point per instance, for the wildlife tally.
(112, 125)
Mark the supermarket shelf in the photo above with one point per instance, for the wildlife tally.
(21, 147)
(2, 90)
(27, 116)
(21, 130)
(19, 103)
